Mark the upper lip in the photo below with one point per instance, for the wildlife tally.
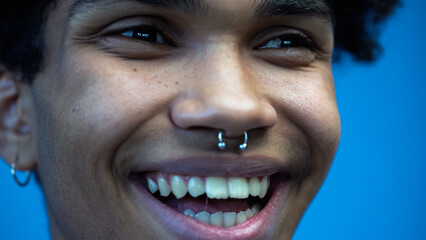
(248, 166)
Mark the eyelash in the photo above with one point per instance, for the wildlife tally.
(290, 40)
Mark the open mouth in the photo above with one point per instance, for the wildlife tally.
(218, 201)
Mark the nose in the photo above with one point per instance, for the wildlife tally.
(223, 96)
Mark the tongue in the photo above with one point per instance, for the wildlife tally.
(202, 203)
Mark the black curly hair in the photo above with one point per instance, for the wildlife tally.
(356, 30)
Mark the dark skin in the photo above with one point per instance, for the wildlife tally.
(110, 102)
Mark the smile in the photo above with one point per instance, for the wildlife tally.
(209, 198)
(219, 201)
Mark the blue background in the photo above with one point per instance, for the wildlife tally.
(376, 188)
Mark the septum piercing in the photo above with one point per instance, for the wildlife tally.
(222, 145)
(13, 172)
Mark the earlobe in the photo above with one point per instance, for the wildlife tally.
(17, 129)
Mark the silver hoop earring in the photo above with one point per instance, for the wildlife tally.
(222, 145)
(27, 180)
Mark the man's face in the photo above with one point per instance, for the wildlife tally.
(136, 92)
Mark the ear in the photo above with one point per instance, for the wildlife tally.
(17, 122)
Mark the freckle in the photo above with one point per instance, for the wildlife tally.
(177, 83)
(166, 85)
(135, 70)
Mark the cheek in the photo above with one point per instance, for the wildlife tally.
(105, 100)
(308, 100)
(89, 107)
(85, 111)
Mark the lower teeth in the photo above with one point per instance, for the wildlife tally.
(227, 219)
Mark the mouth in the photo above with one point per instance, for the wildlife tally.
(219, 201)
(211, 207)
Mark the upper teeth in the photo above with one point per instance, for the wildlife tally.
(213, 187)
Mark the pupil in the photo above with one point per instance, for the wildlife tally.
(145, 36)
(286, 43)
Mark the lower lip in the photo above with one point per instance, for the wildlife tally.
(260, 226)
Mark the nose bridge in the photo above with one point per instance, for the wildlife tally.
(224, 95)
(223, 61)
(225, 83)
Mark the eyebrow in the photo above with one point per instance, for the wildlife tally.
(263, 8)
(269, 8)
(193, 7)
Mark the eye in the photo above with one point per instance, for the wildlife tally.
(140, 38)
(289, 41)
(146, 33)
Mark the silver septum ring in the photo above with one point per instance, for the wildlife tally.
(222, 145)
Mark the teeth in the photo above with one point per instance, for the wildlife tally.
(196, 186)
(203, 216)
(179, 188)
(241, 217)
(213, 187)
(255, 209)
(216, 219)
(238, 187)
(249, 213)
(164, 187)
(264, 184)
(153, 187)
(229, 219)
(189, 212)
(254, 186)
(216, 187)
